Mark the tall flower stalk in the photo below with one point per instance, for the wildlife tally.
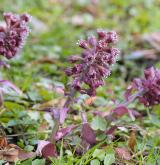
(89, 69)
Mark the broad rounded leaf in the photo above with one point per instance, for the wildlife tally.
(49, 150)
(120, 110)
(109, 159)
(99, 153)
(99, 123)
(95, 162)
(46, 149)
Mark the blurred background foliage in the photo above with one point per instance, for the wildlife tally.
(58, 24)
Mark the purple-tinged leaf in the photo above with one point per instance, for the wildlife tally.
(46, 149)
(23, 155)
(100, 113)
(63, 114)
(41, 144)
(64, 131)
(84, 117)
(55, 113)
(120, 110)
(59, 90)
(133, 113)
(8, 84)
(87, 133)
(49, 150)
(111, 130)
(127, 93)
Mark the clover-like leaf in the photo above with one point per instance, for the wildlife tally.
(99, 123)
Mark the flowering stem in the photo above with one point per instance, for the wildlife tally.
(54, 131)
(70, 98)
(57, 120)
(132, 98)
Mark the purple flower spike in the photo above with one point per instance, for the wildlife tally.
(149, 86)
(94, 63)
(12, 37)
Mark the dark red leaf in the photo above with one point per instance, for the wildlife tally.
(88, 134)
(49, 150)
(120, 110)
(46, 149)
(111, 130)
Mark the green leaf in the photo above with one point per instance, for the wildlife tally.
(110, 156)
(99, 123)
(154, 120)
(38, 162)
(29, 148)
(2, 161)
(109, 159)
(100, 101)
(12, 123)
(95, 162)
(99, 153)
(27, 162)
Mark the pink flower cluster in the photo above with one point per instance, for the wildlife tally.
(148, 87)
(94, 63)
(12, 36)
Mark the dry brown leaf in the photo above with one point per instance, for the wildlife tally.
(153, 39)
(132, 140)
(43, 127)
(56, 103)
(23, 155)
(90, 100)
(3, 142)
(76, 118)
(101, 113)
(92, 9)
(43, 60)
(11, 152)
(9, 155)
